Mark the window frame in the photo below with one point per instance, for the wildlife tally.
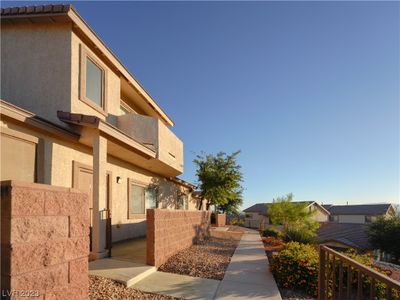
(84, 55)
(178, 206)
(125, 106)
(145, 187)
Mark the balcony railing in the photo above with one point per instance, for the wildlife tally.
(341, 277)
(154, 134)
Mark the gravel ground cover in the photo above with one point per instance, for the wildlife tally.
(207, 259)
(103, 288)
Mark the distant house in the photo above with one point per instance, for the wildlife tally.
(359, 214)
(257, 215)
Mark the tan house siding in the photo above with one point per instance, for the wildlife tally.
(36, 67)
(321, 215)
(56, 167)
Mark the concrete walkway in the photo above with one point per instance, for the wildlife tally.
(179, 286)
(125, 272)
(248, 275)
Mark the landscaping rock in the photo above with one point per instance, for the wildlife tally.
(207, 259)
(102, 288)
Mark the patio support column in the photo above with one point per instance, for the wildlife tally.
(99, 196)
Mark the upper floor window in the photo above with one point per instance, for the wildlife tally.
(93, 82)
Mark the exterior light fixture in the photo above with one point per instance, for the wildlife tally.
(119, 179)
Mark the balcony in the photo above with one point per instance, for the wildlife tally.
(152, 133)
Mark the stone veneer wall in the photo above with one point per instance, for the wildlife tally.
(168, 231)
(44, 241)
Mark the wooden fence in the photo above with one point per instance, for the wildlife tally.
(341, 277)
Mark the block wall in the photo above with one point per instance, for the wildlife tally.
(220, 220)
(169, 231)
(44, 241)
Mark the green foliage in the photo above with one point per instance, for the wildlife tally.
(220, 179)
(300, 236)
(384, 234)
(367, 260)
(272, 232)
(296, 219)
(296, 267)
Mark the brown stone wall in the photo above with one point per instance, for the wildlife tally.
(220, 220)
(44, 241)
(169, 231)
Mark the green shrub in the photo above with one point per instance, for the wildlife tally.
(300, 236)
(296, 267)
(271, 232)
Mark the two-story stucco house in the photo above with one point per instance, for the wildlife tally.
(72, 115)
(257, 215)
(359, 213)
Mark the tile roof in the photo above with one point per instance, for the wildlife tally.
(35, 9)
(360, 209)
(350, 234)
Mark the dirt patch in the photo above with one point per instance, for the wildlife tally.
(207, 259)
(103, 288)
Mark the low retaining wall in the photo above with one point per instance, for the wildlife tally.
(169, 231)
(234, 235)
(220, 220)
(44, 242)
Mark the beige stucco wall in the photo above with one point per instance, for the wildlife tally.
(360, 219)
(151, 131)
(58, 167)
(36, 67)
(320, 215)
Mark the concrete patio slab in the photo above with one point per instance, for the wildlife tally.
(131, 250)
(248, 275)
(180, 286)
(125, 272)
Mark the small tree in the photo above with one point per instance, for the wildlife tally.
(295, 217)
(220, 179)
(384, 234)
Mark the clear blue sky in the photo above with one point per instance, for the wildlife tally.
(308, 91)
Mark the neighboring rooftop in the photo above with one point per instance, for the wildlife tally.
(262, 208)
(350, 234)
(360, 209)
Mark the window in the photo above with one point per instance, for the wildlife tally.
(151, 198)
(93, 81)
(183, 202)
(136, 200)
(140, 197)
(123, 110)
